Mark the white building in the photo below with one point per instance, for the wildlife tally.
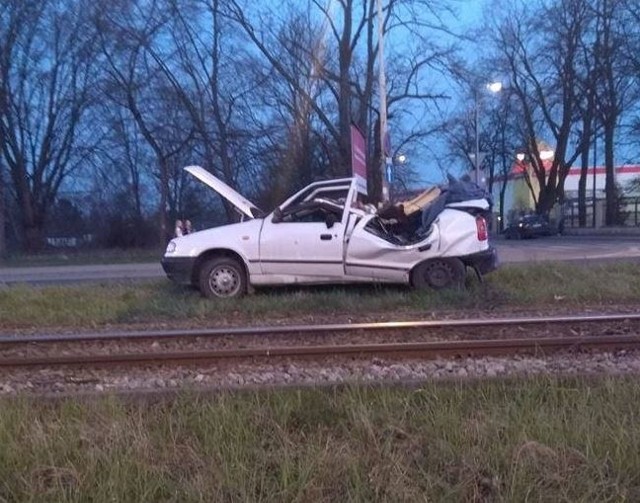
(519, 196)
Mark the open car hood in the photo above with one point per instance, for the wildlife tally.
(243, 205)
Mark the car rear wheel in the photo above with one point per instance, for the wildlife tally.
(439, 274)
(223, 278)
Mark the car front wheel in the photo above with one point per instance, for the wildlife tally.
(223, 278)
(439, 274)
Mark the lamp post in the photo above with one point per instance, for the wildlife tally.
(382, 89)
(397, 161)
(494, 87)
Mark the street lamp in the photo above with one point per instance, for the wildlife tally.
(546, 155)
(494, 87)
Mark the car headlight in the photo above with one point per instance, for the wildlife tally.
(171, 247)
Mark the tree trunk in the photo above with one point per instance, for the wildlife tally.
(546, 199)
(3, 239)
(164, 194)
(582, 185)
(33, 237)
(503, 192)
(610, 184)
(31, 223)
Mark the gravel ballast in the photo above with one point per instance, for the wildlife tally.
(329, 371)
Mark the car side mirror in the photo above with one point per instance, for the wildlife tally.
(277, 215)
(330, 220)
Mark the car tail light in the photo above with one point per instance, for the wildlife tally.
(481, 226)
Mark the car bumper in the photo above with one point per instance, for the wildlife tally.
(484, 262)
(178, 269)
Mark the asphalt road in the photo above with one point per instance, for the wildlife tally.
(564, 248)
(569, 248)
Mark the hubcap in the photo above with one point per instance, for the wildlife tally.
(224, 281)
(439, 275)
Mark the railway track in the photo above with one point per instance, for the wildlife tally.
(95, 350)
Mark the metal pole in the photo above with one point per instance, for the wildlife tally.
(477, 146)
(382, 89)
(593, 216)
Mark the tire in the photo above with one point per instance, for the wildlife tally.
(222, 278)
(439, 274)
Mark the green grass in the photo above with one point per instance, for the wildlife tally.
(82, 257)
(525, 287)
(536, 440)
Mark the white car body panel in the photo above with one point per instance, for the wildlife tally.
(302, 248)
(241, 238)
(284, 248)
(369, 255)
(457, 239)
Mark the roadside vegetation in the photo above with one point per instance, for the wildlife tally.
(536, 440)
(83, 257)
(530, 287)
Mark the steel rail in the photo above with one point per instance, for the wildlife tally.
(410, 349)
(315, 329)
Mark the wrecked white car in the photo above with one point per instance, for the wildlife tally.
(323, 234)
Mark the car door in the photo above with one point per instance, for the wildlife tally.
(304, 240)
(373, 255)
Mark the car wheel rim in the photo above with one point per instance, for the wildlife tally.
(439, 275)
(224, 281)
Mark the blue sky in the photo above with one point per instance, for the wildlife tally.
(469, 17)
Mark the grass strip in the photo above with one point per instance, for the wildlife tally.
(528, 286)
(83, 257)
(526, 440)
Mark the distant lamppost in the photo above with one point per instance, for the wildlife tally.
(400, 159)
(494, 87)
(546, 155)
(395, 162)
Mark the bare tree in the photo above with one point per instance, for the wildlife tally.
(202, 64)
(134, 82)
(46, 74)
(500, 134)
(539, 48)
(587, 82)
(293, 150)
(612, 88)
(346, 65)
(125, 157)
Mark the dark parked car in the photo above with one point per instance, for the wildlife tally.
(530, 226)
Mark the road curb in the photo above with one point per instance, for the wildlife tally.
(604, 232)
